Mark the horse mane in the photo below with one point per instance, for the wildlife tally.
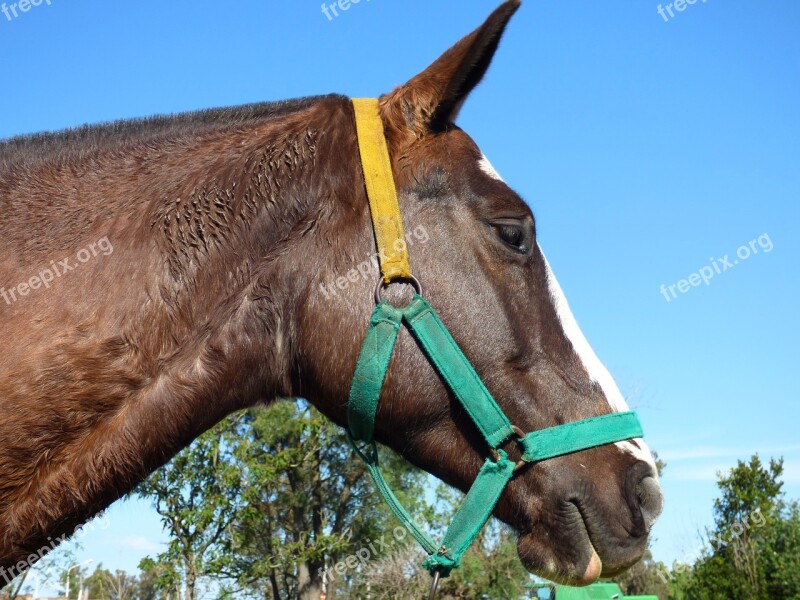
(33, 150)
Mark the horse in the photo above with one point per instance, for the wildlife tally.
(160, 274)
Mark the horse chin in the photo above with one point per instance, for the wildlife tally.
(573, 579)
(567, 549)
(574, 563)
(564, 572)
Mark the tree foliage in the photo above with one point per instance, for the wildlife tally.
(105, 585)
(50, 571)
(647, 577)
(753, 551)
(197, 497)
(490, 570)
(271, 504)
(268, 502)
(308, 502)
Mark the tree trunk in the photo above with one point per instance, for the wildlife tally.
(273, 581)
(309, 582)
(330, 584)
(191, 582)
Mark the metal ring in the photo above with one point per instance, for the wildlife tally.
(520, 438)
(413, 281)
(494, 453)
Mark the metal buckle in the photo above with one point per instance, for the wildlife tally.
(413, 281)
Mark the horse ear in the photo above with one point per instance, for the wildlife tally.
(432, 99)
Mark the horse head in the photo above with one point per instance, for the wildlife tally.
(474, 247)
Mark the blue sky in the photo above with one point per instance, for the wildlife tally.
(648, 149)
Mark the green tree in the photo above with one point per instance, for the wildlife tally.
(11, 590)
(119, 585)
(197, 496)
(647, 577)
(752, 551)
(48, 572)
(105, 585)
(159, 579)
(308, 503)
(267, 503)
(147, 587)
(490, 570)
(782, 556)
(398, 576)
(679, 581)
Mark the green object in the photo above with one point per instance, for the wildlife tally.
(596, 591)
(472, 515)
(460, 376)
(580, 435)
(371, 371)
(457, 371)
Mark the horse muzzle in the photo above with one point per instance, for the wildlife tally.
(592, 531)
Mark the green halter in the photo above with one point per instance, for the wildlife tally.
(459, 375)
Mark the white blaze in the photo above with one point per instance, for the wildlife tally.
(487, 168)
(597, 370)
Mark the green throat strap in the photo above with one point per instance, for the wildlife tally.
(460, 377)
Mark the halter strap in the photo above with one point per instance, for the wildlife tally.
(456, 371)
(387, 222)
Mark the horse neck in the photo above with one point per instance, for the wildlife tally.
(206, 332)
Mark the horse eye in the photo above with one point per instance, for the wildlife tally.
(514, 235)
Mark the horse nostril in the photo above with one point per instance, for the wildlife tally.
(651, 500)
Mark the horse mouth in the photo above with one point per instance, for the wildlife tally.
(566, 553)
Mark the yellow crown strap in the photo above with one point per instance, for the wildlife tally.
(386, 218)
